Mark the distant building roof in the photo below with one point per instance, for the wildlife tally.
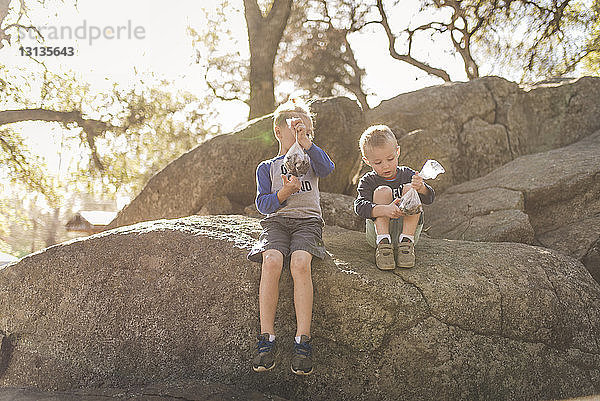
(90, 221)
(5, 258)
(97, 217)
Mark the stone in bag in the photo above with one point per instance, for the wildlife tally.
(296, 161)
(410, 203)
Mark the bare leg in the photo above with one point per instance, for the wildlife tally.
(268, 292)
(409, 223)
(303, 290)
(382, 196)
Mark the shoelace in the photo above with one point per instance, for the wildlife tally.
(264, 345)
(303, 349)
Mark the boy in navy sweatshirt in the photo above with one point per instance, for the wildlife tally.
(292, 230)
(379, 192)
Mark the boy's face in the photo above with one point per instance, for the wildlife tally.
(285, 135)
(383, 159)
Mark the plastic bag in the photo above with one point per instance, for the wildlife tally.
(296, 161)
(431, 169)
(410, 202)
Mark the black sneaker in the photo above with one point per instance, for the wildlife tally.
(265, 354)
(302, 359)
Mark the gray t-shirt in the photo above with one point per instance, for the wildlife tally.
(302, 204)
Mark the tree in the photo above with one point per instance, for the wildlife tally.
(236, 74)
(329, 69)
(117, 138)
(264, 35)
(316, 52)
(591, 61)
(548, 42)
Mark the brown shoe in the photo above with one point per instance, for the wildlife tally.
(384, 256)
(406, 254)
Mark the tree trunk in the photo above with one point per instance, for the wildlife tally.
(34, 234)
(52, 230)
(264, 35)
(262, 87)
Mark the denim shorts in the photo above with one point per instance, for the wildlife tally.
(395, 231)
(287, 234)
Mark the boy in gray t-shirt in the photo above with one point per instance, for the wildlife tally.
(292, 230)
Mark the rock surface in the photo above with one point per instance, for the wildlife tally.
(550, 198)
(474, 127)
(176, 300)
(192, 391)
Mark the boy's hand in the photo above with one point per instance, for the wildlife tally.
(303, 135)
(418, 184)
(290, 186)
(392, 210)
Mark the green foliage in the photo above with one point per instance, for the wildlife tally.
(534, 40)
(225, 61)
(19, 165)
(591, 61)
(316, 53)
(113, 138)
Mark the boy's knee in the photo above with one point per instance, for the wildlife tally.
(272, 261)
(382, 193)
(300, 263)
(412, 217)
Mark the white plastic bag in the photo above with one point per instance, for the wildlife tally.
(431, 169)
(296, 161)
(410, 203)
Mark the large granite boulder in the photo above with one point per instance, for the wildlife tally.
(219, 176)
(474, 127)
(175, 301)
(550, 198)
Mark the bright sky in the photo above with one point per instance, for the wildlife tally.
(153, 38)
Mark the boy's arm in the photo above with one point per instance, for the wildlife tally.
(427, 198)
(426, 193)
(320, 161)
(363, 204)
(266, 202)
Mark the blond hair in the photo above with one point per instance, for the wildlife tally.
(288, 109)
(376, 136)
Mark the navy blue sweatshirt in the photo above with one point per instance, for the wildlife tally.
(363, 204)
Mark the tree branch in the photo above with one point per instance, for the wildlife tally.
(92, 128)
(27, 28)
(15, 116)
(407, 57)
(253, 10)
(221, 97)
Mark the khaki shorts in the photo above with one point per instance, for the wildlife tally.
(395, 231)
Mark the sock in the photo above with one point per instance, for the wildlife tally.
(271, 337)
(297, 338)
(409, 237)
(384, 236)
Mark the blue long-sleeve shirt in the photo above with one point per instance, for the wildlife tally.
(302, 204)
